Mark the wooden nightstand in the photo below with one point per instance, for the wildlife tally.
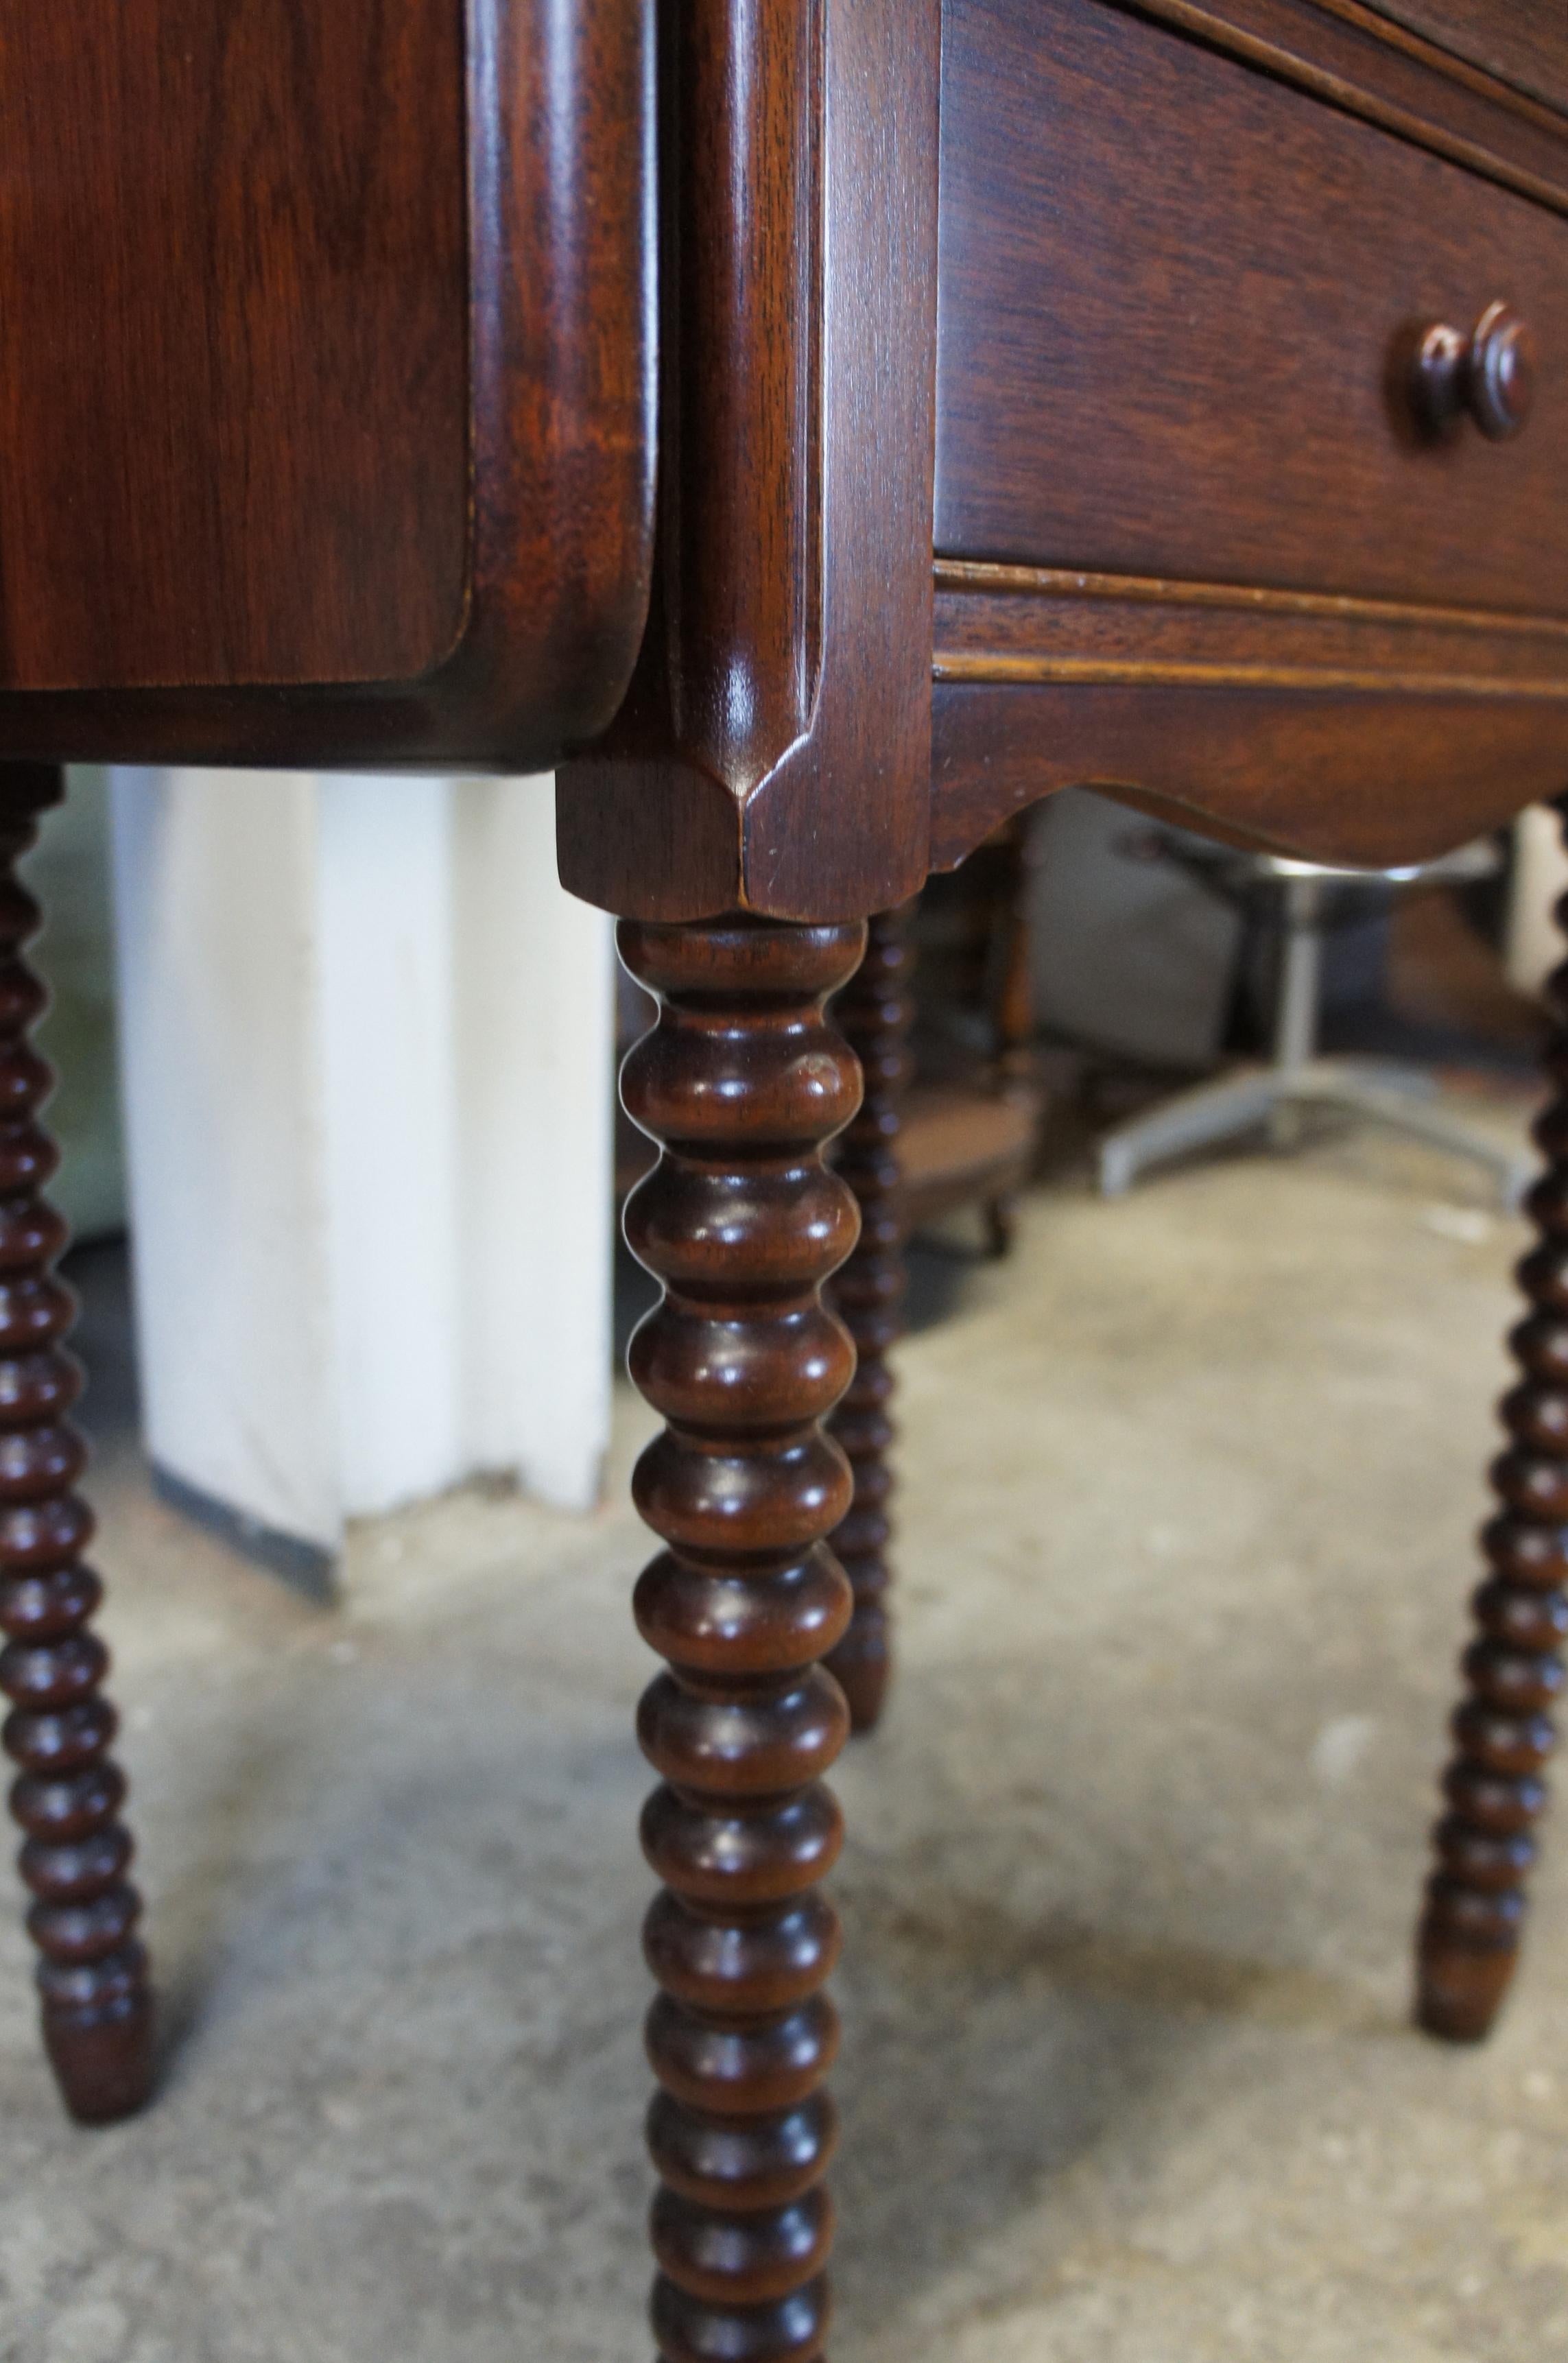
(821, 428)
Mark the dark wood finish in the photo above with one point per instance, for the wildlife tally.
(742, 1080)
(874, 1013)
(97, 2013)
(1490, 374)
(1344, 776)
(1188, 357)
(1485, 1845)
(234, 409)
(1283, 718)
(1360, 62)
(965, 1145)
(1019, 624)
(1523, 41)
(913, 1154)
(774, 750)
(327, 421)
(972, 1121)
(327, 435)
(1012, 996)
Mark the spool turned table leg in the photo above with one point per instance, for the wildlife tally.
(874, 1011)
(97, 2014)
(741, 1080)
(1485, 1843)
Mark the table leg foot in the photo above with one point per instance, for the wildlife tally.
(103, 2055)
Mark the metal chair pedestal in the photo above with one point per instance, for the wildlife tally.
(1273, 1097)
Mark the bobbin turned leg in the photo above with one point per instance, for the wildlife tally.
(1475, 1901)
(741, 1079)
(875, 1013)
(98, 2018)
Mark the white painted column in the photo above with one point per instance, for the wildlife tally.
(367, 1053)
(1533, 941)
(386, 1011)
(535, 1075)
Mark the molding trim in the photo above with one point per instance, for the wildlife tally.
(1003, 669)
(1368, 66)
(1376, 21)
(1004, 623)
(773, 751)
(1155, 590)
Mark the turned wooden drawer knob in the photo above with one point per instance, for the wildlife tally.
(1490, 374)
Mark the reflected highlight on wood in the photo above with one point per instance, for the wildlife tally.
(876, 1012)
(741, 1080)
(1485, 1843)
(97, 2016)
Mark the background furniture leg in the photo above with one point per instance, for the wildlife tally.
(876, 1012)
(98, 2012)
(1475, 1901)
(741, 1079)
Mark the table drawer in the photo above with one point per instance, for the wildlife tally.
(1176, 302)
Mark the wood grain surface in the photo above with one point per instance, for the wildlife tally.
(774, 750)
(1504, 1731)
(1361, 777)
(1364, 63)
(875, 1013)
(326, 379)
(1181, 355)
(742, 1078)
(68, 1797)
(1039, 624)
(234, 374)
(1524, 41)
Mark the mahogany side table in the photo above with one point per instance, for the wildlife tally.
(818, 428)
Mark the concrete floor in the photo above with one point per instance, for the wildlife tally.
(1189, 1493)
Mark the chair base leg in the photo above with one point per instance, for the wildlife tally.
(1272, 1098)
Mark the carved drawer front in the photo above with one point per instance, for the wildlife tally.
(1181, 299)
